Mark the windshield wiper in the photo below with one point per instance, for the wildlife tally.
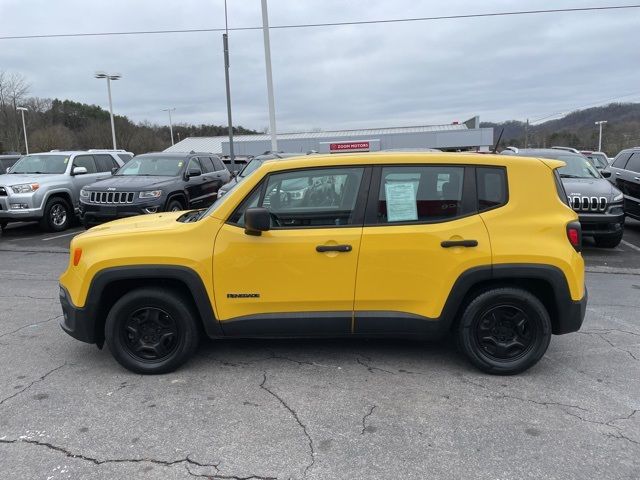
(567, 175)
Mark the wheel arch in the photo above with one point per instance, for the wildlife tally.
(181, 196)
(110, 284)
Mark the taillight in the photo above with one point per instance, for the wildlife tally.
(574, 234)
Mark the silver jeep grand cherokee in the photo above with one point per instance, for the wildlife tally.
(45, 187)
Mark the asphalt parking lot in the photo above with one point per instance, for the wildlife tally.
(315, 409)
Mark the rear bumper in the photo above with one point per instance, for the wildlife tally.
(75, 320)
(571, 315)
(601, 224)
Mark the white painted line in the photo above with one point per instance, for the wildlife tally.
(60, 236)
(630, 245)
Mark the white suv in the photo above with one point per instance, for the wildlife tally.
(45, 187)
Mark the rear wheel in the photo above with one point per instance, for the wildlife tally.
(57, 215)
(608, 241)
(151, 331)
(504, 331)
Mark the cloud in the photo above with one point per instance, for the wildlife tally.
(336, 77)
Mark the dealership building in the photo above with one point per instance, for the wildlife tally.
(456, 136)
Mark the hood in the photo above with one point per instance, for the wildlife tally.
(142, 223)
(9, 179)
(130, 182)
(589, 187)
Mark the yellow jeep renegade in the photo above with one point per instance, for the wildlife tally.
(412, 245)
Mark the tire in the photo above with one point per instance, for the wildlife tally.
(174, 205)
(491, 335)
(151, 331)
(57, 215)
(608, 241)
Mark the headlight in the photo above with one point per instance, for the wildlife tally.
(25, 188)
(84, 193)
(151, 194)
(618, 197)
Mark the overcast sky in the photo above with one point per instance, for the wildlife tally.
(335, 77)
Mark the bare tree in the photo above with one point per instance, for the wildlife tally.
(13, 92)
(52, 137)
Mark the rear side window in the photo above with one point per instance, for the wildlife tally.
(492, 187)
(621, 160)
(105, 163)
(87, 162)
(218, 164)
(634, 163)
(420, 194)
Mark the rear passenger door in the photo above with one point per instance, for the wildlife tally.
(631, 183)
(211, 182)
(421, 232)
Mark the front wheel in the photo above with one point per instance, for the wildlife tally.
(174, 206)
(151, 331)
(504, 331)
(608, 241)
(57, 215)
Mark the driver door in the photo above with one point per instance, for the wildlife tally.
(298, 278)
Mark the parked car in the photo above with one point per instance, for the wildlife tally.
(624, 173)
(252, 166)
(567, 149)
(597, 159)
(598, 203)
(380, 245)
(154, 182)
(46, 186)
(7, 161)
(240, 162)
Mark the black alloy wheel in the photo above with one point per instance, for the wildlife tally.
(152, 330)
(504, 331)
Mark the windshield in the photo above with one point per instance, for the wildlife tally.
(157, 166)
(598, 159)
(41, 164)
(251, 167)
(577, 167)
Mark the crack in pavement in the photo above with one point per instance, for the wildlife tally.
(371, 368)
(31, 325)
(615, 347)
(606, 331)
(96, 461)
(297, 419)
(364, 419)
(230, 477)
(32, 383)
(28, 296)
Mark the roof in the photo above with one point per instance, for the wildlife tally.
(214, 144)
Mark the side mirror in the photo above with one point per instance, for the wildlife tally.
(8, 168)
(605, 173)
(194, 172)
(256, 221)
(79, 171)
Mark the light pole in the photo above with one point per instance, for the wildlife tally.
(110, 77)
(600, 124)
(170, 124)
(267, 61)
(24, 128)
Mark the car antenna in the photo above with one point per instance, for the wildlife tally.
(495, 148)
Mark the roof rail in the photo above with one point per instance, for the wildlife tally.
(512, 149)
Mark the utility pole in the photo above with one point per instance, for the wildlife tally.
(170, 123)
(267, 61)
(526, 134)
(600, 124)
(225, 46)
(24, 129)
(109, 77)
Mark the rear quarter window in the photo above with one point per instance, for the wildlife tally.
(492, 187)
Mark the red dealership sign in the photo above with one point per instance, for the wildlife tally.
(349, 147)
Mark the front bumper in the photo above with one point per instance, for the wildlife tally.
(18, 214)
(76, 322)
(92, 213)
(601, 224)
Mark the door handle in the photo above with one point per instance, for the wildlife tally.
(459, 243)
(618, 173)
(636, 178)
(333, 248)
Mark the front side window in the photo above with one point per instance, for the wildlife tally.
(207, 165)
(43, 163)
(634, 163)
(87, 162)
(621, 160)
(420, 194)
(194, 165)
(153, 166)
(307, 198)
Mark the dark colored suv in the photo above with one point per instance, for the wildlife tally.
(154, 182)
(624, 173)
(597, 202)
